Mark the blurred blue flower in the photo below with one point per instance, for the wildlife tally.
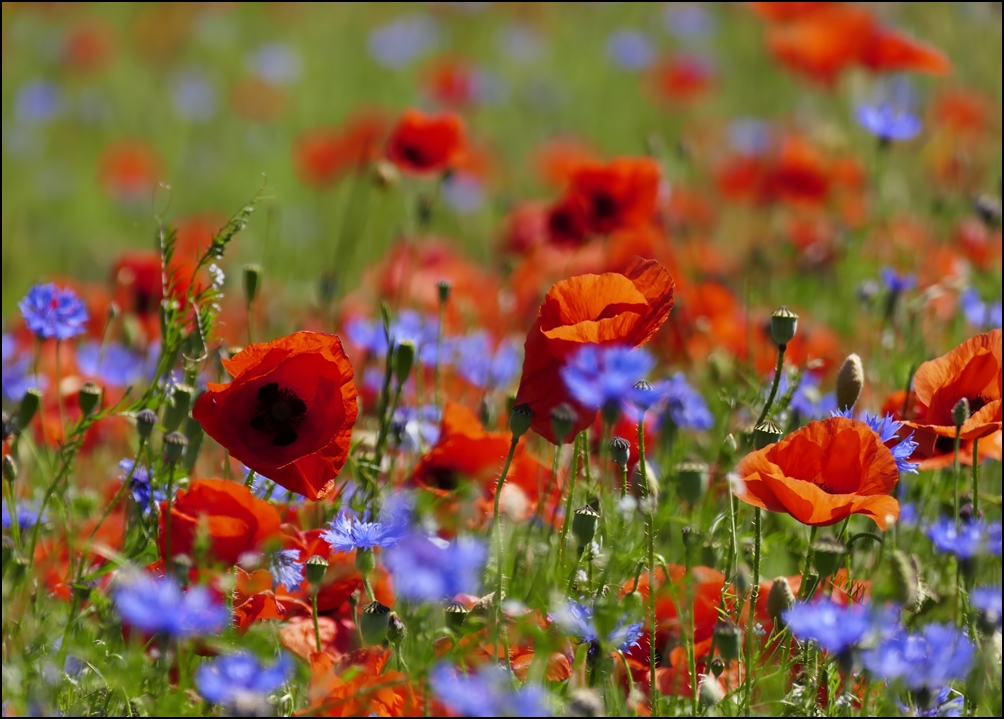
(689, 21)
(348, 532)
(485, 693)
(463, 192)
(193, 97)
(416, 428)
(38, 102)
(929, 660)
(749, 136)
(140, 486)
(833, 627)
(476, 363)
(432, 569)
(889, 123)
(600, 377)
(630, 50)
(969, 540)
(154, 605)
(114, 365)
(276, 64)
(577, 620)
(943, 704)
(520, 42)
(684, 405)
(53, 312)
(27, 516)
(988, 600)
(981, 315)
(807, 400)
(239, 677)
(17, 377)
(409, 326)
(399, 42)
(286, 568)
(897, 283)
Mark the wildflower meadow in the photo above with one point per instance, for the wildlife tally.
(501, 359)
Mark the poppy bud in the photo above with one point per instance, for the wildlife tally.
(827, 554)
(584, 525)
(365, 561)
(386, 174)
(989, 210)
(644, 394)
(728, 637)
(443, 286)
(960, 412)
(620, 451)
(562, 421)
(9, 468)
(850, 380)
(404, 358)
(89, 397)
(730, 444)
(146, 420)
(397, 631)
(178, 406)
(743, 580)
(316, 568)
(783, 325)
(966, 512)
(374, 623)
(252, 281)
(28, 407)
(765, 434)
(520, 419)
(693, 542)
(691, 481)
(174, 447)
(900, 582)
(8, 427)
(780, 599)
(717, 667)
(585, 703)
(455, 613)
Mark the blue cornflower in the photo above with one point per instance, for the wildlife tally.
(27, 516)
(833, 627)
(139, 485)
(432, 569)
(154, 605)
(689, 21)
(577, 619)
(193, 97)
(409, 326)
(50, 311)
(897, 283)
(928, 660)
(349, 532)
(286, 569)
(888, 122)
(114, 365)
(969, 540)
(749, 136)
(988, 601)
(38, 102)
(483, 368)
(944, 704)
(399, 42)
(602, 377)
(462, 191)
(485, 693)
(416, 428)
(980, 314)
(684, 406)
(275, 63)
(630, 50)
(887, 428)
(240, 678)
(17, 375)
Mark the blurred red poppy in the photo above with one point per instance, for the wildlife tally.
(128, 170)
(321, 156)
(421, 144)
(615, 195)
(289, 411)
(358, 685)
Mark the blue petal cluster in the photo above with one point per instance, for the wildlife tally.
(602, 376)
(888, 122)
(887, 428)
(897, 283)
(27, 516)
(416, 428)
(286, 569)
(833, 627)
(17, 376)
(399, 42)
(927, 660)
(53, 312)
(577, 620)
(139, 485)
(684, 405)
(409, 326)
(988, 600)
(112, 364)
(431, 569)
(157, 604)
(630, 50)
(478, 364)
(240, 678)
(486, 693)
(968, 540)
(982, 315)
(348, 532)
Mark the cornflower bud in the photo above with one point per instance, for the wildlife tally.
(374, 623)
(252, 281)
(850, 381)
(783, 325)
(404, 358)
(960, 412)
(89, 397)
(520, 420)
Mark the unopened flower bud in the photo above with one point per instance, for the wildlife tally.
(443, 287)
(584, 524)
(174, 447)
(455, 613)
(374, 623)
(783, 325)
(520, 419)
(620, 451)
(365, 561)
(728, 637)
(730, 444)
(29, 406)
(178, 405)
(692, 481)
(404, 358)
(146, 420)
(900, 581)
(780, 599)
(89, 397)
(644, 395)
(960, 412)
(717, 667)
(386, 174)
(9, 426)
(9, 469)
(827, 554)
(765, 434)
(850, 381)
(743, 580)
(316, 567)
(252, 281)
(396, 630)
(563, 419)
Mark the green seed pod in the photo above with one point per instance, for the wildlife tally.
(9, 469)
(146, 420)
(29, 406)
(620, 451)
(584, 524)
(316, 568)
(827, 554)
(252, 281)
(717, 667)
(443, 287)
(89, 397)
(765, 434)
(520, 419)
(455, 613)
(404, 359)
(692, 481)
(374, 624)
(174, 447)
(563, 419)
(644, 394)
(783, 326)
(178, 406)
(850, 382)
(728, 637)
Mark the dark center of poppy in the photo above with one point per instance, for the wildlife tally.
(444, 479)
(415, 155)
(604, 206)
(279, 413)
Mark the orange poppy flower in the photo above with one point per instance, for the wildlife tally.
(971, 370)
(781, 11)
(823, 43)
(823, 473)
(611, 308)
(450, 80)
(322, 155)
(358, 686)
(236, 520)
(289, 411)
(128, 170)
(888, 50)
(682, 78)
(615, 195)
(423, 144)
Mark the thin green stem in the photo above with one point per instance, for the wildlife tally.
(650, 532)
(249, 482)
(168, 556)
(317, 628)
(568, 501)
(754, 597)
(773, 388)
(956, 473)
(807, 565)
(976, 478)
(497, 524)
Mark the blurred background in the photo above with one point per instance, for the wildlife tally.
(102, 103)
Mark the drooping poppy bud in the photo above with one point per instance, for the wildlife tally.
(780, 599)
(850, 381)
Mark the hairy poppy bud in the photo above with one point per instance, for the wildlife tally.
(692, 481)
(89, 397)
(620, 451)
(252, 281)
(9, 469)
(174, 447)
(780, 599)
(960, 412)
(28, 407)
(455, 613)
(827, 554)
(365, 561)
(404, 358)
(443, 287)
(584, 525)
(374, 623)
(743, 580)
(899, 582)
(177, 406)
(850, 381)
(396, 630)
(316, 568)
(563, 419)
(728, 637)
(783, 325)
(766, 433)
(520, 419)
(146, 420)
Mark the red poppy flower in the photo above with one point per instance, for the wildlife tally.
(358, 686)
(823, 473)
(289, 411)
(128, 170)
(971, 370)
(823, 43)
(611, 308)
(451, 80)
(235, 520)
(322, 155)
(423, 144)
(892, 51)
(615, 195)
(683, 78)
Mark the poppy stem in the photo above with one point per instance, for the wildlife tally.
(317, 628)
(168, 556)
(807, 583)
(754, 597)
(624, 481)
(250, 479)
(956, 472)
(650, 532)
(568, 501)
(773, 388)
(498, 538)
(976, 479)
